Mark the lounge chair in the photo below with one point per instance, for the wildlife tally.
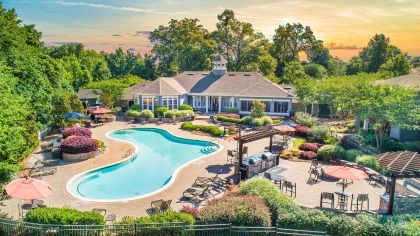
(196, 194)
(204, 181)
(108, 218)
(160, 205)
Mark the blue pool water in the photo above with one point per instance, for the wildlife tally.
(159, 155)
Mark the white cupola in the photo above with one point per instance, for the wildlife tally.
(219, 65)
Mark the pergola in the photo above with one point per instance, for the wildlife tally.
(242, 139)
(403, 164)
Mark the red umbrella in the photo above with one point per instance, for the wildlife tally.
(344, 172)
(28, 189)
(284, 128)
(100, 110)
(232, 137)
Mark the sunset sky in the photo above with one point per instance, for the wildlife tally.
(344, 26)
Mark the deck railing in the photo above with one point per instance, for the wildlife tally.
(19, 228)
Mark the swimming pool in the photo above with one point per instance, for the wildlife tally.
(159, 155)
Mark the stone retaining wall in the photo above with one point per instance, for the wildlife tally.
(407, 204)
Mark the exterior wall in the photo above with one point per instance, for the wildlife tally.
(90, 102)
(271, 100)
(404, 135)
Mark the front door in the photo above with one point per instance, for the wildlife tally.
(214, 104)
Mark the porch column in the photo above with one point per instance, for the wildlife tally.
(153, 104)
(289, 107)
(207, 104)
(357, 124)
(220, 104)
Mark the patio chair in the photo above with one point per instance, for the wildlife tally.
(156, 205)
(231, 157)
(314, 165)
(290, 188)
(358, 202)
(327, 198)
(267, 176)
(245, 151)
(108, 218)
(315, 175)
(195, 194)
(342, 201)
(204, 181)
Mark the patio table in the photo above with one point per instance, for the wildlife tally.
(277, 177)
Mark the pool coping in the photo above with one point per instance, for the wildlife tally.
(135, 155)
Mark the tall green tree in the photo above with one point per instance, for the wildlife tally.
(182, 45)
(65, 103)
(396, 66)
(355, 66)
(292, 72)
(238, 42)
(122, 63)
(289, 40)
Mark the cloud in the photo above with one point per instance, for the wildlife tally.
(342, 46)
(118, 8)
(116, 35)
(60, 43)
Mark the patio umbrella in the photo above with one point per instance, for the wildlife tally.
(28, 189)
(232, 137)
(100, 110)
(284, 128)
(74, 115)
(345, 173)
(288, 123)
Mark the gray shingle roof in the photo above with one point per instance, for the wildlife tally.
(129, 92)
(410, 80)
(88, 93)
(161, 86)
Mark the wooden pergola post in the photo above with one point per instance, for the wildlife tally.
(392, 194)
(270, 148)
(240, 158)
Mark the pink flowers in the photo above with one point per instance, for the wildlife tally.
(310, 147)
(230, 115)
(307, 155)
(76, 131)
(79, 144)
(302, 130)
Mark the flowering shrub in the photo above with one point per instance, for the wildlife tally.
(307, 155)
(302, 130)
(76, 131)
(305, 119)
(190, 210)
(313, 147)
(79, 144)
(289, 154)
(237, 210)
(230, 115)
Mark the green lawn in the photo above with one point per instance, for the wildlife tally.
(297, 142)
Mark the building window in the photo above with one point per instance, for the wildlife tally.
(149, 103)
(170, 102)
(246, 105)
(267, 106)
(199, 101)
(281, 107)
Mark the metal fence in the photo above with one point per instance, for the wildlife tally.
(18, 228)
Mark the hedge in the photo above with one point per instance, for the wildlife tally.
(132, 113)
(249, 120)
(76, 131)
(164, 217)
(330, 152)
(63, 216)
(352, 154)
(228, 119)
(237, 210)
(79, 144)
(146, 114)
(233, 110)
(210, 129)
(275, 200)
(185, 107)
(369, 161)
(230, 115)
(160, 111)
(177, 113)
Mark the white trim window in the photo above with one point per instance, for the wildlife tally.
(199, 101)
(149, 102)
(171, 102)
(281, 106)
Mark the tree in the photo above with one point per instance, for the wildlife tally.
(121, 63)
(182, 45)
(238, 42)
(291, 39)
(315, 71)
(64, 103)
(319, 54)
(266, 64)
(257, 109)
(396, 66)
(148, 70)
(355, 66)
(293, 71)
(305, 90)
(336, 67)
(377, 52)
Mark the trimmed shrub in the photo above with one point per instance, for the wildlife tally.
(185, 113)
(267, 120)
(185, 107)
(164, 217)
(76, 131)
(275, 200)
(63, 216)
(210, 129)
(351, 154)
(246, 120)
(192, 210)
(132, 113)
(289, 154)
(237, 210)
(313, 147)
(178, 114)
(228, 119)
(305, 119)
(302, 131)
(233, 110)
(79, 144)
(369, 161)
(320, 134)
(230, 115)
(147, 114)
(160, 111)
(330, 152)
(135, 107)
(307, 155)
(257, 122)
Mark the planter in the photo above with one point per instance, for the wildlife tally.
(130, 118)
(81, 156)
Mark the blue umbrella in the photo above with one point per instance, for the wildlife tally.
(288, 123)
(74, 115)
